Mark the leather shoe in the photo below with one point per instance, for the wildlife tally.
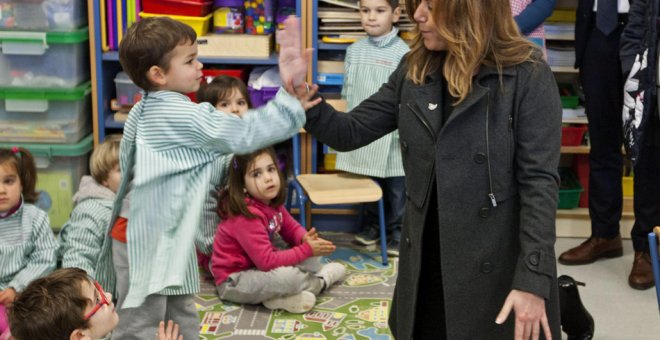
(641, 275)
(591, 250)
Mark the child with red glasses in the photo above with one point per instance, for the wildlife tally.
(51, 308)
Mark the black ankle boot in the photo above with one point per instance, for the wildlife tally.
(576, 321)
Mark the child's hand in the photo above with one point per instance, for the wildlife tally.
(310, 235)
(321, 247)
(7, 296)
(171, 333)
(292, 62)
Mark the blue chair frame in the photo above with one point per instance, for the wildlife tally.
(301, 200)
(655, 260)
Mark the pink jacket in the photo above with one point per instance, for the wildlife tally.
(242, 243)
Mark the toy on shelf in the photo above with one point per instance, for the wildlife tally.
(229, 16)
(259, 16)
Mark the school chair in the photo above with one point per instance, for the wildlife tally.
(655, 260)
(338, 188)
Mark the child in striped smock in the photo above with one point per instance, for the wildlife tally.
(246, 264)
(83, 238)
(368, 64)
(27, 245)
(169, 159)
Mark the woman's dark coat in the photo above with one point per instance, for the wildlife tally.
(503, 140)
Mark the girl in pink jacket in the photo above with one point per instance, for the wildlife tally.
(247, 266)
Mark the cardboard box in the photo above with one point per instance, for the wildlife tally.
(235, 45)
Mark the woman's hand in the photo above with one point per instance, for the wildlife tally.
(169, 333)
(530, 315)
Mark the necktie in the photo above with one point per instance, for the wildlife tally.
(606, 16)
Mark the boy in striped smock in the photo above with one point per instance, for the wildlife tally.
(168, 159)
(27, 245)
(83, 238)
(368, 64)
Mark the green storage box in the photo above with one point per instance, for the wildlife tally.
(45, 115)
(568, 95)
(569, 189)
(59, 169)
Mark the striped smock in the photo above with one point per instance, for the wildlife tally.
(28, 248)
(368, 64)
(168, 158)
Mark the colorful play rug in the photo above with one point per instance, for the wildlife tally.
(356, 309)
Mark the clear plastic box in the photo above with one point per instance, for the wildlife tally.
(44, 59)
(127, 92)
(59, 169)
(45, 15)
(45, 115)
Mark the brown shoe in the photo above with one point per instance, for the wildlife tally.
(591, 250)
(641, 275)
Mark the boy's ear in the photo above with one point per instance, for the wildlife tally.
(156, 76)
(396, 15)
(79, 334)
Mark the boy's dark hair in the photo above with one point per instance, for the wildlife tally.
(149, 42)
(22, 161)
(232, 198)
(220, 88)
(51, 307)
(393, 3)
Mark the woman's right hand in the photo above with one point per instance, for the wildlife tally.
(321, 247)
(169, 333)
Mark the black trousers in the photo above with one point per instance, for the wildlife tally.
(602, 82)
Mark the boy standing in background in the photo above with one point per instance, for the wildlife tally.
(168, 159)
(368, 64)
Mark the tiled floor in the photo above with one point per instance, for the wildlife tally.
(620, 312)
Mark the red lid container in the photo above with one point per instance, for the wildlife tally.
(191, 8)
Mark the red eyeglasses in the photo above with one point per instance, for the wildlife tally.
(103, 300)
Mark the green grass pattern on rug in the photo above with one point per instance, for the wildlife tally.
(354, 309)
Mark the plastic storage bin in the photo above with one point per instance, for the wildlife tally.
(569, 190)
(261, 97)
(59, 169)
(44, 59)
(229, 17)
(127, 92)
(572, 135)
(568, 95)
(44, 15)
(193, 8)
(45, 115)
(199, 24)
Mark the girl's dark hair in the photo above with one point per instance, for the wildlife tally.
(232, 198)
(50, 307)
(22, 161)
(220, 88)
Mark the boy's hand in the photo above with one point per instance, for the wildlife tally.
(7, 296)
(292, 62)
(321, 247)
(169, 333)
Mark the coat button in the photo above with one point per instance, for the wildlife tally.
(408, 242)
(480, 158)
(534, 258)
(486, 267)
(483, 212)
(404, 146)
